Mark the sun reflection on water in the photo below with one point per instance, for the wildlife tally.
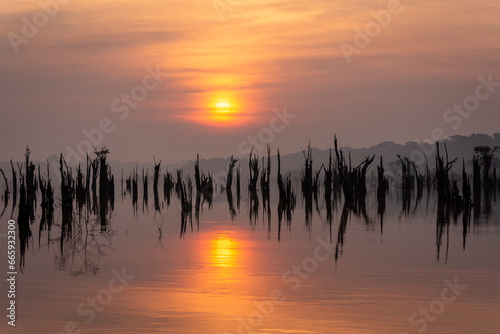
(224, 252)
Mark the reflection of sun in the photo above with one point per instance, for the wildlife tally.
(224, 252)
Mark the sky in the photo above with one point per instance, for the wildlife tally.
(170, 79)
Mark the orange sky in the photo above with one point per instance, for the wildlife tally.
(262, 55)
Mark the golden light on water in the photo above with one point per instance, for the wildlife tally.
(224, 252)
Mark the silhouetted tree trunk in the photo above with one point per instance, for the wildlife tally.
(466, 191)
(14, 184)
(442, 170)
(155, 185)
(6, 191)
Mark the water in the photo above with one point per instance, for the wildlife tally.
(228, 275)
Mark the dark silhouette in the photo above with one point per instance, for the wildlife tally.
(382, 189)
(6, 193)
(14, 185)
(308, 186)
(454, 194)
(253, 165)
(442, 175)
(286, 204)
(155, 184)
(229, 187)
(168, 186)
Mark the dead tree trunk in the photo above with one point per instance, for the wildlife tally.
(155, 184)
(442, 170)
(14, 184)
(6, 191)
(466, 191)
(382, 185)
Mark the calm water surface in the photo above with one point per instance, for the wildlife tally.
(243, 276)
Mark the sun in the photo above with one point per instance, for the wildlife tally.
(222, 110)
(223, 107)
